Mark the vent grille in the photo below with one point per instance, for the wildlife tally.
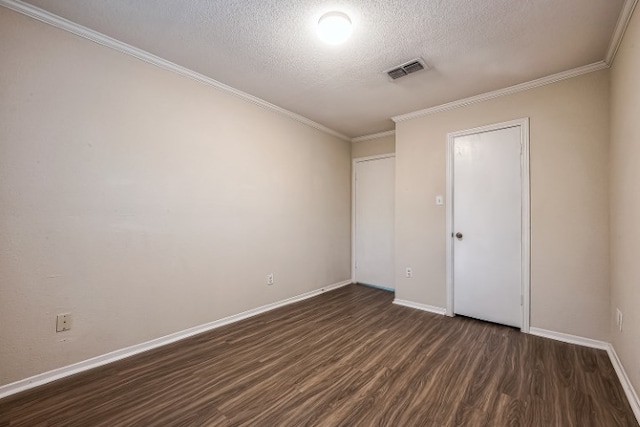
(406, 69)
(396, 73)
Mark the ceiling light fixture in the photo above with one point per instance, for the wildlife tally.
(334, 27)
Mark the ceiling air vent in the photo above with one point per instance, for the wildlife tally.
(406, 68)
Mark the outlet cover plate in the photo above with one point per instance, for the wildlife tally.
(63, 322)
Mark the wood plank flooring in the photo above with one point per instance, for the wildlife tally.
(346, 358)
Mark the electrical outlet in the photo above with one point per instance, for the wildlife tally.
(408, 273)
(63, 322)
(270, 279)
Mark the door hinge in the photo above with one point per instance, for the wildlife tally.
(521, 299)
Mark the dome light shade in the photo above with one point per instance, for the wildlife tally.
(334, 27)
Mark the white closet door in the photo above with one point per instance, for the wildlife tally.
(374, 222)
(487, 226)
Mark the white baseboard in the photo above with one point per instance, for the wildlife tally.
(629, 391)
(423, 307)
(632, 396)
(568, 338)
(382, 288)
(65, 371)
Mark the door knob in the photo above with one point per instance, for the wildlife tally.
(459, 235)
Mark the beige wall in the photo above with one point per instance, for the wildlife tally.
(145, 203)
(625, 199)
(374, 147)
(569, 211)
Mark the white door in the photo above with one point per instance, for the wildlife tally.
(374, 222)
(487, 225)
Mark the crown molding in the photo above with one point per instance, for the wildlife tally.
(621, 26)
(374, 136)
(104, 40)
(597, 66)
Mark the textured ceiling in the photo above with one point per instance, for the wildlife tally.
(269, 48)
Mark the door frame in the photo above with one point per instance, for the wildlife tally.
(353, 205)
(525, 267)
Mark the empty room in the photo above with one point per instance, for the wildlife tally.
(319, 213)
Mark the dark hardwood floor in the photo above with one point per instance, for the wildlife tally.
(346, 358)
